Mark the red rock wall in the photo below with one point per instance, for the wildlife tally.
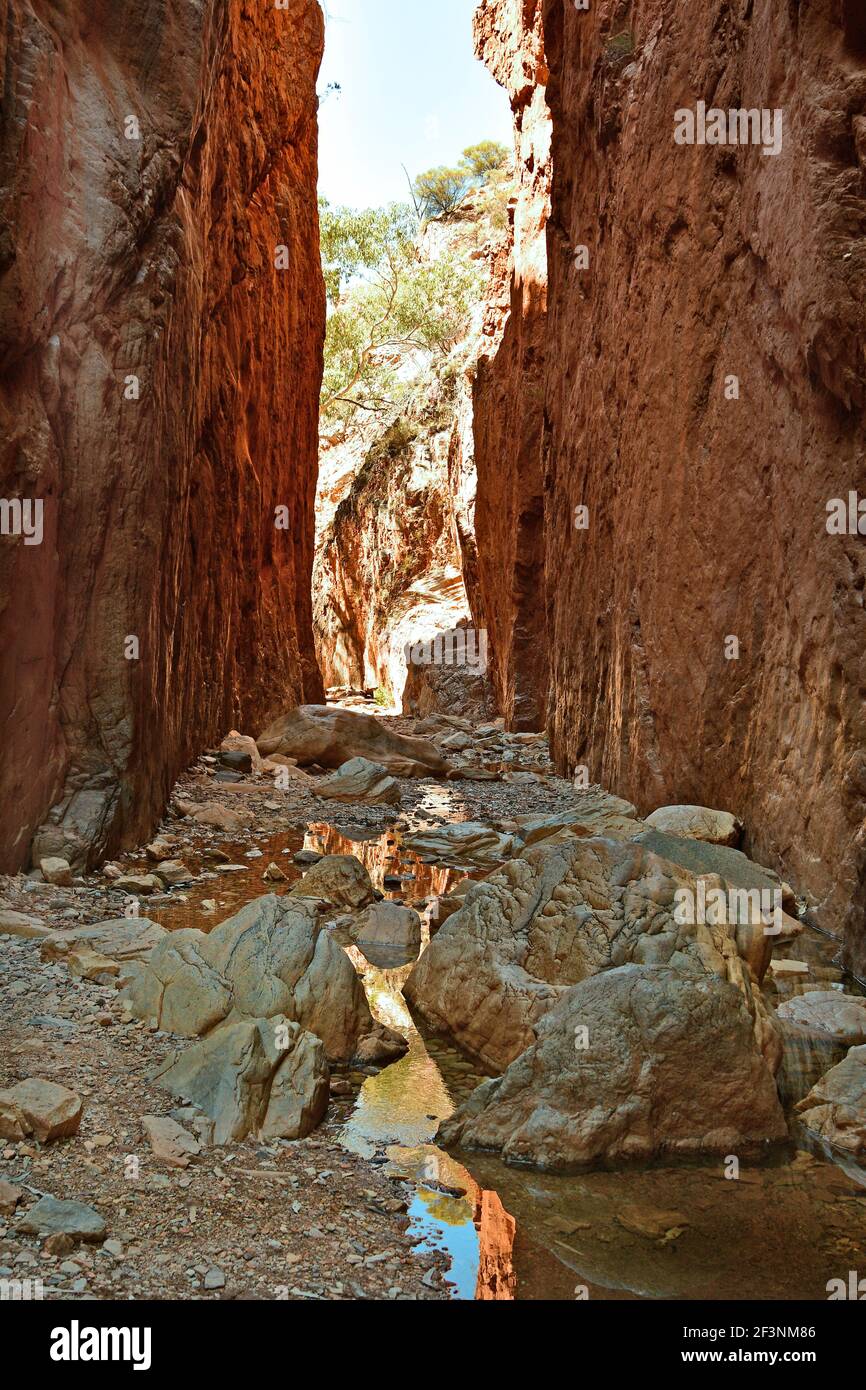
(508, 397)
(155, 258)
(708, 515)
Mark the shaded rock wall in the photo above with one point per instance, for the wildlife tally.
(155, 258)
(707, 512)
(508, 396)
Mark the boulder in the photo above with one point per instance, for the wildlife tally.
(23, 925)
(213, 814)
(828, 1011)
(464, 842)
(594, 812)
(56, 871)
(246, 747)
(557, 915)
(271, 958)
(120, 939)
(640, 1063)
(263, 1077)
(340, 879)
(173, 871)
(139, 883)
(53, 1216)
(10, 1196)
(41, 1108)
(835, 1108)
(388, 934)
(698, 823)
(86, 964)
(170, 1142)
(732, 865)
(330, 737)
(360, 780)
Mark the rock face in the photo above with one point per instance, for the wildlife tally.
(635, 1064)
(707, 497)
(272, 958)
(331, 737)
(509, 386)
(396, 558)
(160, 377)
(558, 915)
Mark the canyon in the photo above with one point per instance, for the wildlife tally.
(410, 795)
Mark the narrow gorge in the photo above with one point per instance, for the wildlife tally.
(433, 845)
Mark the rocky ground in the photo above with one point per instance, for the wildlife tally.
(302, 1219)
(578, 886)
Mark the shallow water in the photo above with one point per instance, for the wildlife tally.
(779, 1231)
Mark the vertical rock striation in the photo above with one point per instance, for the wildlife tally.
(707, 500)
(154, 154)
(508, 398)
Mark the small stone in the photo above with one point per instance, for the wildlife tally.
(54, 1216)
(56, 871)
(58, 1244)
(214, 1279)
(274, 874)
(9, 1198)
(169, 1141)
(50, 1111)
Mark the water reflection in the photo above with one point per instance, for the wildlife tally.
(777, 1232)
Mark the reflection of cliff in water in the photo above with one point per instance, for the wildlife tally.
(383, 854)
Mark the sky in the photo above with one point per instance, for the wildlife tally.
(412, 93)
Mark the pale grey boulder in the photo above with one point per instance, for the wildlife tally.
(556, 915)
(340, 879)
(835, 1108)
(360, 780)
(263, 1077)
(698, 823)
(638, 1063)
(271, 958)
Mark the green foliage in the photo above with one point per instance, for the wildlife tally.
(384, 302)
(440, 192)
(484, 159)
(387, 301)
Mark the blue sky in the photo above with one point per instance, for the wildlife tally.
(413, 93)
